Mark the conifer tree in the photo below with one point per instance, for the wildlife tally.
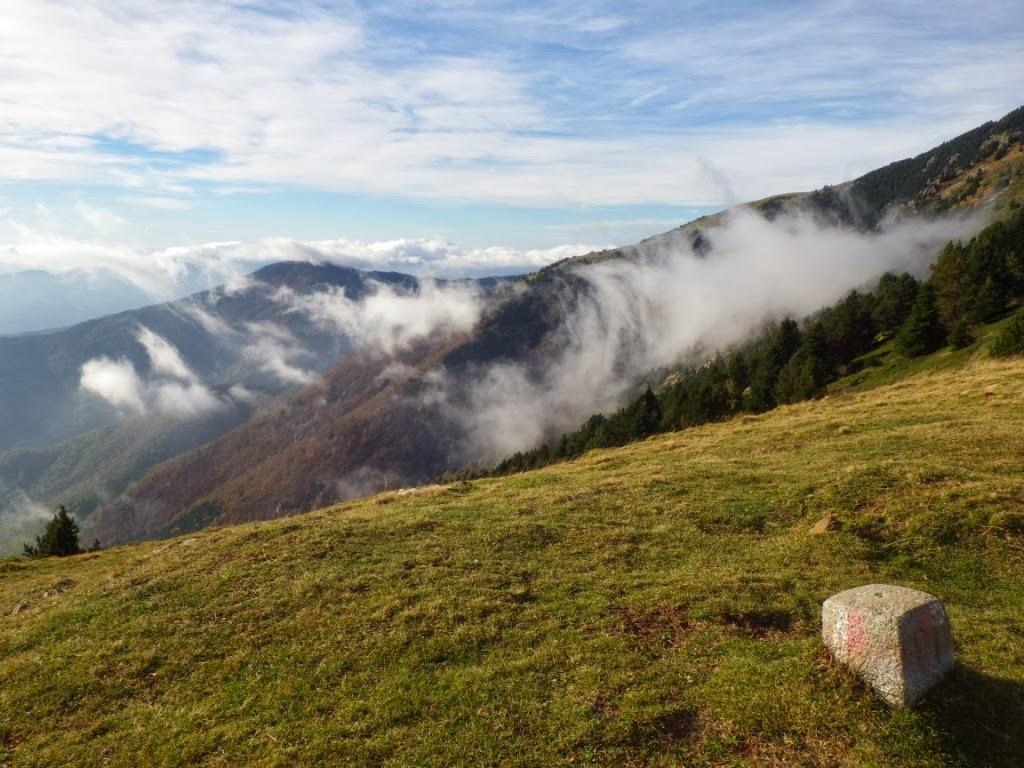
(991, 300)
(774, 354)
(806, 373)
(1011, 339)
(922, 332)
(849, 327)
(960, 334)
(739, 379)
(952, 283)
(60, 538)
(893, 299)
(648, 416)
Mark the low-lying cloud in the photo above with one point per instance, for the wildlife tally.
(169, 388)
(169, 273)
(385, 318)
(275, 351)
(21, 520)
(388, 318)
(665, 305)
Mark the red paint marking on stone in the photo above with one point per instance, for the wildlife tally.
(855, 635)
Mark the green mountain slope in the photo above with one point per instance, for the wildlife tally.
(650, 605)
(334, 440)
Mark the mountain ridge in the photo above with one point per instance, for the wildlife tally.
(518, 329)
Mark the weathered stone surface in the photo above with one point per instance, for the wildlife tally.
(897, 639)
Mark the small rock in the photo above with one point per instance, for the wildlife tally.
(59, 588)
(22, 606)
(826, 524)
(897, 639)
(187, 542)
(991, 390)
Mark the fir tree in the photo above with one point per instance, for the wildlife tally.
(648, 414)
(922, 332)
(849, 327)
(773, 355)
(739, 379)
(960, 334)
(1011, 339)
(893, 299)
(806, 373)
(991, 300)
(953, 283)
(60, 538)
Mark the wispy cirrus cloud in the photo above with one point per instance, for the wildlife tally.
(515, 103)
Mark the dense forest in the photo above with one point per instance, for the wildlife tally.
(904, 180)
(970, 284)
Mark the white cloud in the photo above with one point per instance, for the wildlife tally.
(670, 307)
(275, 351)
(164, 356)
(158, 203)
(21, 520)
(172, 272)
(171, 387)
(389, 319)
(601, 24)
(222, 93)
(116, 381)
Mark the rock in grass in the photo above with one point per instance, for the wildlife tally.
(897, 639)
(827, 524)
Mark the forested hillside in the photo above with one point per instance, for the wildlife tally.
(40, 391)
(374, 423)
(129, 391)
(971, 284)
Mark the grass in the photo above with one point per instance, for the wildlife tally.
(654, 605)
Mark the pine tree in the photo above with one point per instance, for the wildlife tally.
(960, 334)
(952, 283)
(991, 300)
(806, 373)
(773, 355)
(739, 379)
(922, 332)
(60, 538)
(1011, 339)
(893, 299)
(849, 327)
(648, 414)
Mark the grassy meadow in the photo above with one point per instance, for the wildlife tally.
(653, 605)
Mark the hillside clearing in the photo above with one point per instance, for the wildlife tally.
(650, 605)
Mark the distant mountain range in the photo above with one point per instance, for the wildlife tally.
(378, 416)
(33, 300)
(169, 377)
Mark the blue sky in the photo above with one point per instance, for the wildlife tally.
(133, 129)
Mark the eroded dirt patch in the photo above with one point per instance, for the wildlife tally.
(761, 624)
(657, 629)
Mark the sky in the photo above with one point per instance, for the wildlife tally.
(155, 138)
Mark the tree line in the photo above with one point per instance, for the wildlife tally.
(970, 285)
